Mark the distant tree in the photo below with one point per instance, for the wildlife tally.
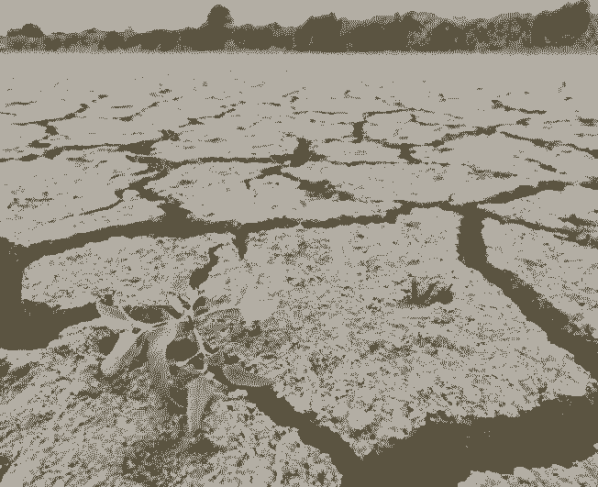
(497, 36)
(112, 41)
(71, 40)
(589, 39)
(16, 43)
(282, 38)
(321, 33)
(89, 39)
(367, 37)
(169, 40)
(251, 37)
(399, 32)
(52, 43)
(561, 27)
(28, 30)
(447, 36)
(192, 38)
(166, 40)
(219, 17)
(213, 34)
(476, 34)
(518, 30)
(128, 32)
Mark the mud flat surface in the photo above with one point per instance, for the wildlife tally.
(408, 262)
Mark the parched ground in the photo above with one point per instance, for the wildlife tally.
(372, 361)
(375, 361)
(561, 271)
(65, 424)
(571, 212)
(359, 228)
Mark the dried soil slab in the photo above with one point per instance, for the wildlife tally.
(164, 112)
(573, 210)
(500, 156)
(410, 127)
(120, 116)
(229, 137)
(470, 105)
(427, 182)
(563, 272)
(90, 130)
(581, 473)
(74, 193)
(571, 129)
(347, 152)
(254, 111)
(372, 360)
(236, 191)
(142, 269)
(350, 103)
(318, 127)
(59, 410)
(49, 103)
(16, 139)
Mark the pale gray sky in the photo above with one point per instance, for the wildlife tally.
(144, 15)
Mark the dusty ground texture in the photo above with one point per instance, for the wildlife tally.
(73, 193)
(63, 423)
(582, 473)
(561, 271)
(358, 227)
(371, 360)
(571, 212)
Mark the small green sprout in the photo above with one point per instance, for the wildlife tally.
(202, 387)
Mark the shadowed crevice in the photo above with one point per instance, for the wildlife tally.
(536, 309)
(497, 444)
(423, 124)
(490, 130)
(497, 104)
(142, 148)
(303, 154)
(29, 157)
(322, 190)
(199, 276)
(551, 144)
(358, 131)
(345, 220)
(5, 463)
(525, 191)
(36, 144)
(56, 151)
(55, 320)
(242, 232)
(269, 171)
(50, 129)
(545, 144)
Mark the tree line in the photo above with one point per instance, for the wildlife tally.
(571, 25)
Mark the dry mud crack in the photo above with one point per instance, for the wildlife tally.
(404, 344)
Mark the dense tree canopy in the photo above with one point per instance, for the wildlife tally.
(570, 25)
(561, 27)
(219, 16)
(321, 33)
(446, 37)
(28, 30)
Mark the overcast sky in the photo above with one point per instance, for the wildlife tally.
(144, 15)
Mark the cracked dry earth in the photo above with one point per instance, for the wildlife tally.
(414, 258)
